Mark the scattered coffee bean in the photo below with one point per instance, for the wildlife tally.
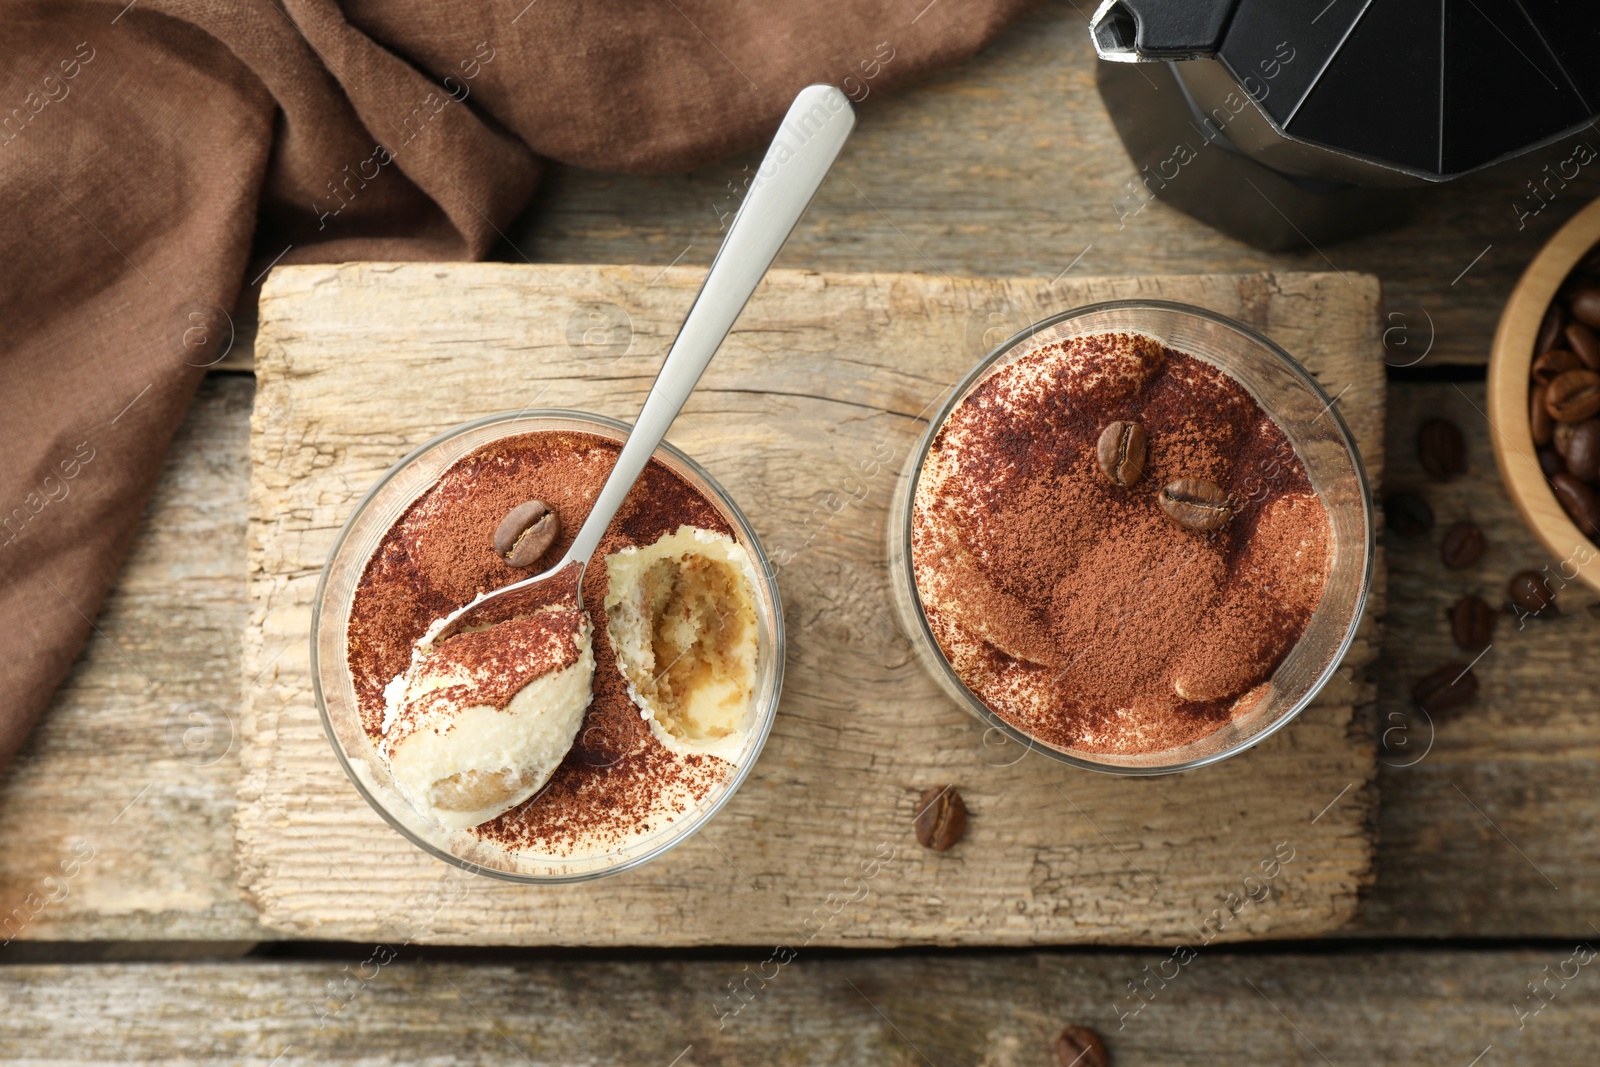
(1584, 303)
(1550, 330)
(1539, 417)
(1408, 515)
(1445, 689)
(1550, 462)
(1079, 1046)
(1583, 451)
(1195, 503)
(1122, 451)
(1580, 502)
(1530, 591)
(1573, 395)
(941, 818)
(1582, 340)
(1555, 363)
(526, 533)
(1472, 623)
(1462, 546)
(1442, 449)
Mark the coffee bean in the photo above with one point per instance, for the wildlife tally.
(1539, 417)
(941, 818)
(1573, 395)
(1195, 503)
(1408, 515)
(1582, 340)
(1530, 591)
(526, 533)
(1561, 438)
(1583, 451)
(1447, 688)
(1442, 449)
(1550, 462)
(1472, 622)
(1079, 1046)
(1580, 502)
(1555, 363)
(1122, 451)
(1584, 303)
(1463, 546)
(1550, 330)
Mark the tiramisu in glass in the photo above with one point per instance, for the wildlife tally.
(1138, 538)
(576, 740)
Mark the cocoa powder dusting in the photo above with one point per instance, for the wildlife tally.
(440, 555)
(1072, 605)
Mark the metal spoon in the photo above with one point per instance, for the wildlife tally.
(808, 141)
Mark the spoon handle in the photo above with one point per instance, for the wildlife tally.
(813, 132)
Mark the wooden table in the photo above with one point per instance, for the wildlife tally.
(1491, 835)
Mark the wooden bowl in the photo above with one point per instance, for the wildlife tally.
(1509, 362)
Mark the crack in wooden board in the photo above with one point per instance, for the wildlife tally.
(824, 376)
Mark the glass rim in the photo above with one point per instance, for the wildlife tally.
(763, 727)
(959, 392)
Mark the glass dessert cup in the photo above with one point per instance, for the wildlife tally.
(335, 692)
(1305, 413)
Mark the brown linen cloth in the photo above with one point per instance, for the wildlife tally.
(156, 157)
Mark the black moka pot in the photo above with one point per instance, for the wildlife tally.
(1292, 122)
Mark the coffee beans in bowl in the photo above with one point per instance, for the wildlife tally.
(1564, 394)
(1543, 393)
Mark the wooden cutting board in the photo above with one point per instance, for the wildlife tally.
(806, 416)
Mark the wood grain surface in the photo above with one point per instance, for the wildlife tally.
(820, 388)
(1493, 830)
(128, 780)
(1008, 165)
(1429, 1009)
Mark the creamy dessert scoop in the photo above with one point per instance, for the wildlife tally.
(496, 690)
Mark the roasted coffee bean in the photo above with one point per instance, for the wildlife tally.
(1195, 503)
(1447, 688)
(526, 533)
(1550, 462)
(1550, 330)
(1408, 515)
(1573, 395)
(941, 818)
(1583, 451)
(1079, 1046)
(1472, 622)
(1582, 340)
(1463, 546)
(1442, 449)
(1539, 417)
(1555, 363)
(1530, 591)
(1122, 451)
(1584, 303)
(1561, 438)
(1580, 502)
